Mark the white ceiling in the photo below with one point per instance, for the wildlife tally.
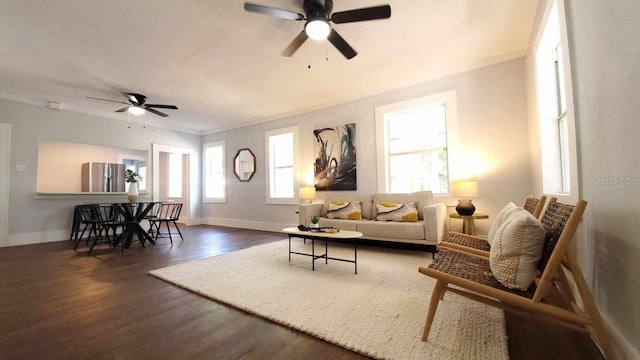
(222, 66)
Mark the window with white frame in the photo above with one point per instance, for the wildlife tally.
(414, 138)
(554, 111)
(281, 153)
(214, 172)
(175, 175)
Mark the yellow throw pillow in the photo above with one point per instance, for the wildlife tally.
(397, 212)
(344, 210)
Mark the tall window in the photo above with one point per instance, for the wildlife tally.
(413, 143)
(175, 175)
(214, 172)
(554, 110)
(561, 118)
(281, 148)
(142, 171)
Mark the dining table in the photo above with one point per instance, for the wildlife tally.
(133, 213)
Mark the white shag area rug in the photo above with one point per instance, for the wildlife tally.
(379, 312)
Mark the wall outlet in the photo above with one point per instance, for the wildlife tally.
(21, 167)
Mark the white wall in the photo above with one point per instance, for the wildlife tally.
(492, 127)
(34, 219)
(604, 50)
(604, 39)
(60, 163)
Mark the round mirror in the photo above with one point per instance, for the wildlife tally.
(244, 164)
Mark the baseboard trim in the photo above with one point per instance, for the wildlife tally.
(37, 237)
(246, 224)
(58, 235)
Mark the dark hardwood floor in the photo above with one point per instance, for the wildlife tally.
(59, 304)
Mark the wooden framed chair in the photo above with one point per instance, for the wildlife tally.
(475, 245)
(470, 275)
(535, 205)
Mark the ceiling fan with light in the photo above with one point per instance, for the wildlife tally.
(317, 16)
(137, 105)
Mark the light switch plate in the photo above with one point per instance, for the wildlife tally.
(21, 167)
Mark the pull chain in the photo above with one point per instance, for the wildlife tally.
(326, 49)
(309, 54)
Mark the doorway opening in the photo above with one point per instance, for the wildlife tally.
(174, 174)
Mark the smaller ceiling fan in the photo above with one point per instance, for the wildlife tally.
(137, 105)
(317, 16)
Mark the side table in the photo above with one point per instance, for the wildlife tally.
(468, 223)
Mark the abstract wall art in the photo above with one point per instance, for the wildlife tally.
(335, 163)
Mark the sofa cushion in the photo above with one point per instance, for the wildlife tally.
(341, 224)
(516, 250)
(365, 202)
(396, 212)
(420, 198)
(391, 230)
(344, 210)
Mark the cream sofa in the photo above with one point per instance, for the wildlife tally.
(428, 230)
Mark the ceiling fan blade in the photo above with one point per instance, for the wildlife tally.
(153, 111)
(283, 14)
(123, 109)
(295, 44)
(115, 101)
(136, 98)
(162, 106)
(340, 44)
(364, 14)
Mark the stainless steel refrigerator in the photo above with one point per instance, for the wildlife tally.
(103, 177)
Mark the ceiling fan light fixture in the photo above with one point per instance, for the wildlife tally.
(317, 28)
(136, 110)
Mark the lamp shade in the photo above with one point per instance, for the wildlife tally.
(465, 187)
(307, 193)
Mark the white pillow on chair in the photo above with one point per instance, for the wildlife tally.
(500, 219)
(516, 250)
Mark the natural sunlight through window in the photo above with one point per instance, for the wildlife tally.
(555, 121)
(415, 141)
(281, 146)
(214, 172)
(175, 175)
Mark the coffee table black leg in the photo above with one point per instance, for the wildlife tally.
(289, 248)
(313, 254)
(355, 254)
(326, 252)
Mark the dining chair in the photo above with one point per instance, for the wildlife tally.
(169, 214)
(88, 217)
(153, 214)
(110, 220)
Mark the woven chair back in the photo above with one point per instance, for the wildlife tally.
(554, 220)
(530, 204)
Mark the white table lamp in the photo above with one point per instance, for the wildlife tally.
(465, 188)
(307, 194)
